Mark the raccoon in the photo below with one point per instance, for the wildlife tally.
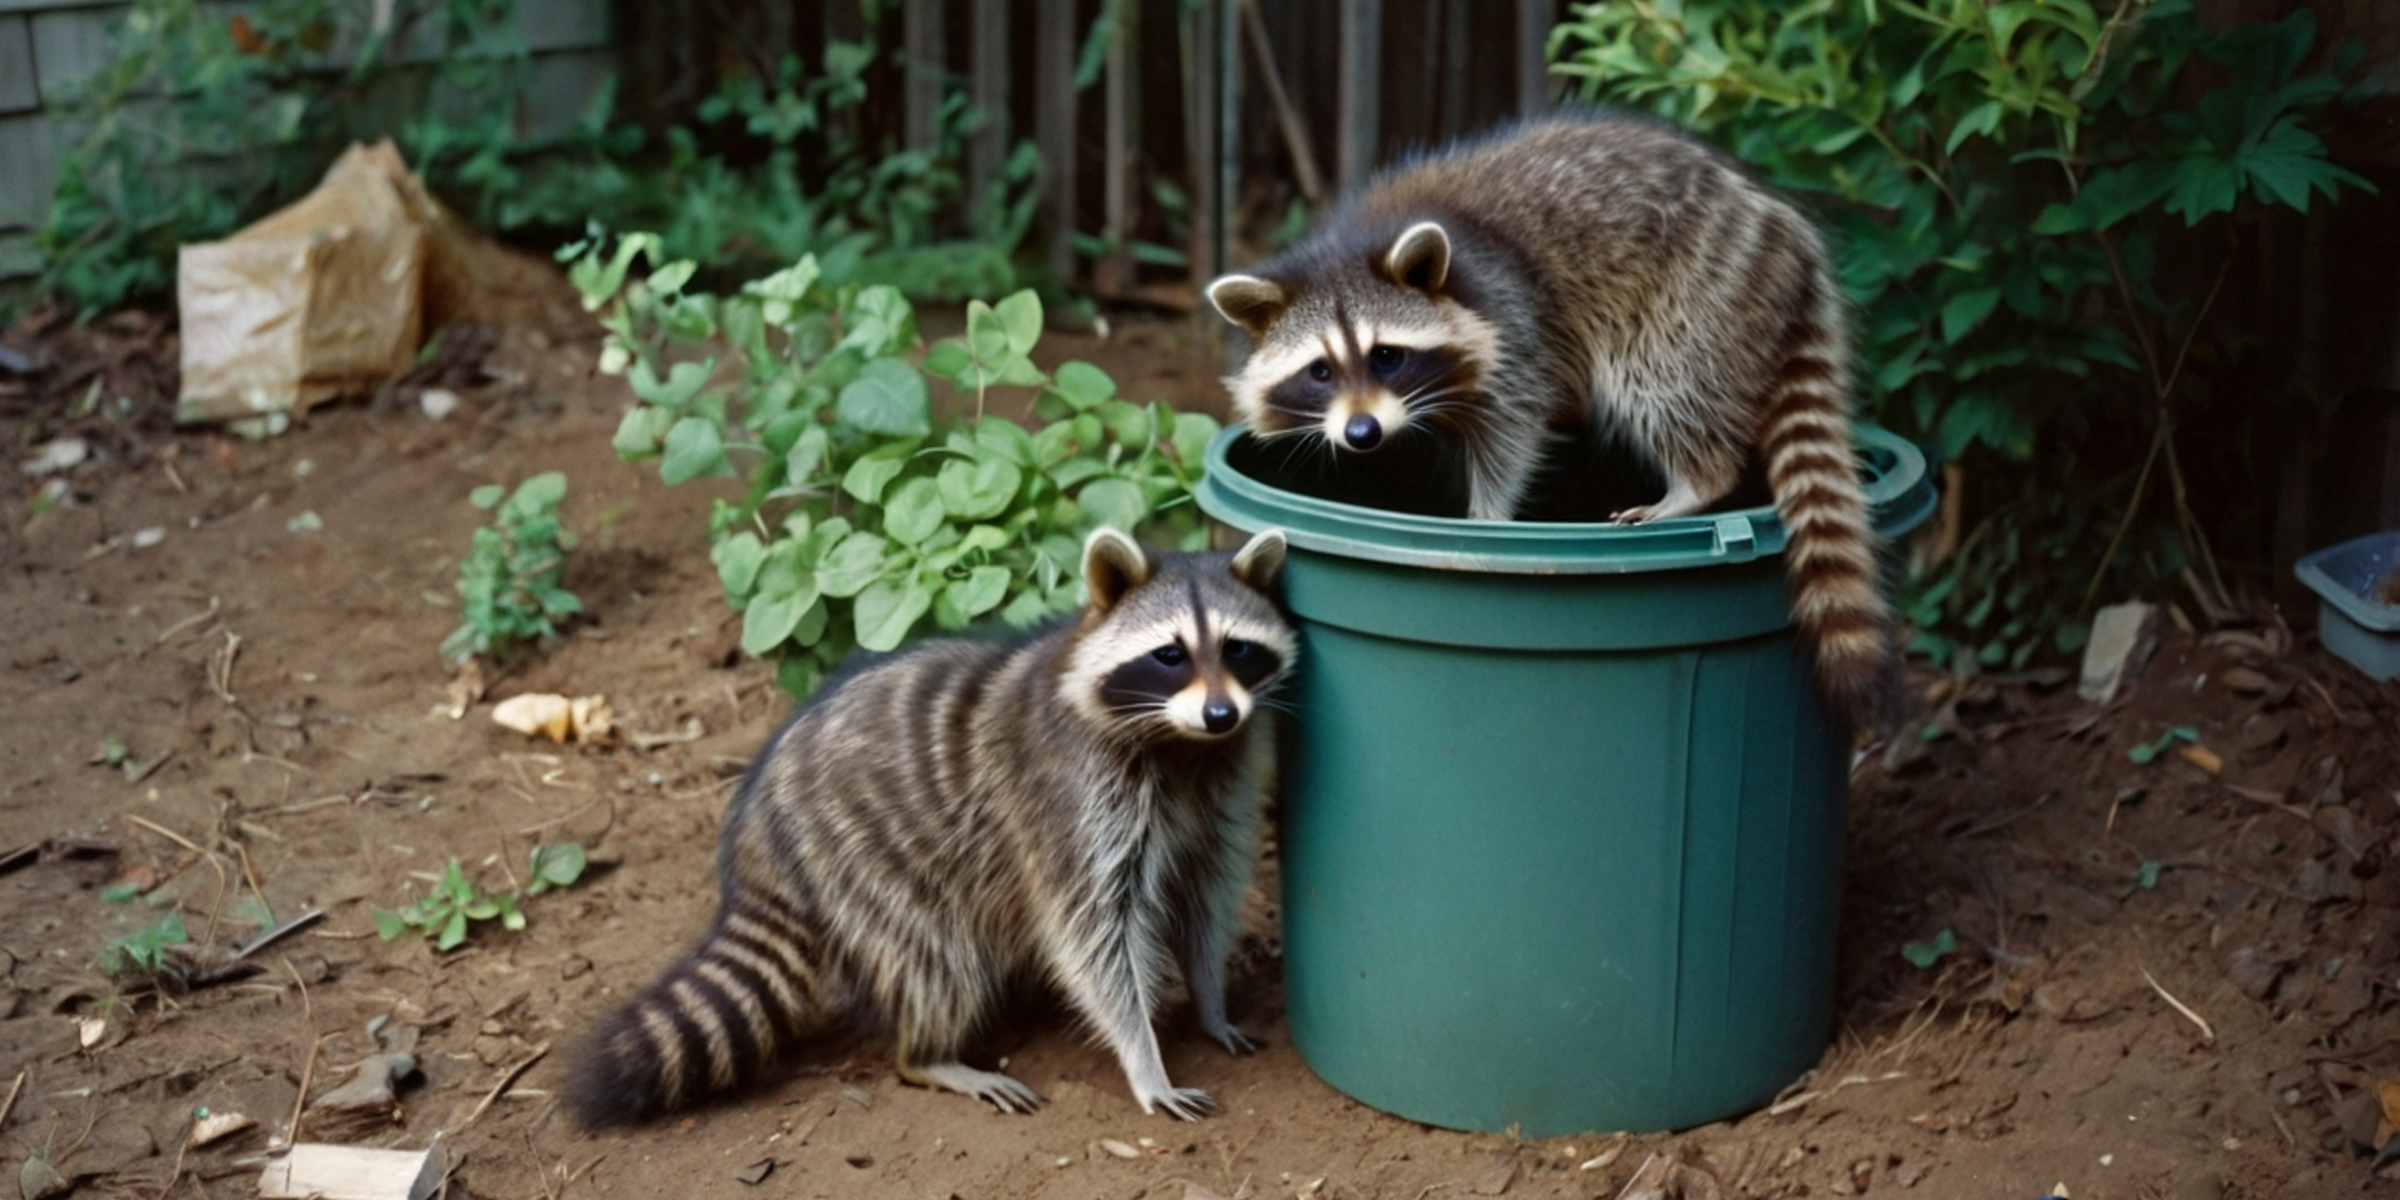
(1585, 273)
(1083, 806)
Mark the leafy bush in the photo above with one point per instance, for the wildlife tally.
(863, 515)
(509, 580)
(2004, 185)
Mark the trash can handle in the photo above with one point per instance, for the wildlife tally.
(1736, 540)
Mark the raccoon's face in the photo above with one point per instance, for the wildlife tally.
(1357, 348)
(1180, 645)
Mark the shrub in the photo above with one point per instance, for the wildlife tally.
(2009, 189)
(862, 516)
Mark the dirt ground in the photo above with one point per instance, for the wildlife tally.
(276, 691)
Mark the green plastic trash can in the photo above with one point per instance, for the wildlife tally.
(1562, 820)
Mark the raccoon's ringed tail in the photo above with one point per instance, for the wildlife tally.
(1842, 617)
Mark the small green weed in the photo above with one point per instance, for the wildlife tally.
(144, 954)
(1922, 955)
(509, 580)
(447, 910)
(2143, 753)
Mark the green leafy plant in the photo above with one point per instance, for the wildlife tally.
(144, 952)
(447, 909)
(2144, 753)
(865, 516)
(1922, 955)
(2016, 193)
(509, 580)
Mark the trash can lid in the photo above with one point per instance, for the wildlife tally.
(1899, 493)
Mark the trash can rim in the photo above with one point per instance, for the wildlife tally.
(1899, 495)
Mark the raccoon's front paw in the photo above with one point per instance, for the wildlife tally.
(1236, 1042)
(1183, 1104)
(1636, 515)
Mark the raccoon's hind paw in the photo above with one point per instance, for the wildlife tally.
(1236, 1042)
(1183, 1104)
(991, 1087)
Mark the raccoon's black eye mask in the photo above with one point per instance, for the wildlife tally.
(1146, 682)
(1250, 662)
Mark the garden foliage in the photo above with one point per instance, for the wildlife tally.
(207, 118)
(2031, 204)
(862, 515)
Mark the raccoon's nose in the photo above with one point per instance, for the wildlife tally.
(1220, 716)
(1363, 432)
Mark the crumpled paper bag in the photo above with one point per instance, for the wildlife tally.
(326, 296)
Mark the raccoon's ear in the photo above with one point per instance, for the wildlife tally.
(1260, 560)
(1112, 566)
(1420, 258)
(1246, 300)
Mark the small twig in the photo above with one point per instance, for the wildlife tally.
(183, 1145)
(1806, 1098)
(167, 833)
(2206, 1034)
(2006, 818)
(220, 668)
(530, 830)
(506, 1078)
(306, 806)
(280, 932)
(188, 622)
(10, 1105)
(215, 906)
(250, 875)
(578, 1172)
(137, 772)
(308, 1068)
(540, 1168)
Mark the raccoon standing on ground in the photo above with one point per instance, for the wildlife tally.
(1574, 272)
(1084, 806)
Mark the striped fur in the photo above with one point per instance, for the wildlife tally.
(1586, 272)
(1082, 807)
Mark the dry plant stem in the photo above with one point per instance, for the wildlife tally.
(250, 875)
(506, 1078)
(308, 1067)
(215, 906)
(2206, 1034)
(183, 1145)
(188, 622)
(10, 1105)
(2162, 439)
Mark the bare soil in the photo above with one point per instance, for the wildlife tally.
(2172, 980)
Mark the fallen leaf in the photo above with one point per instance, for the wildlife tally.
(38, 1180)
(2203, 758)
(216, 1127)
(1120, 1149)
